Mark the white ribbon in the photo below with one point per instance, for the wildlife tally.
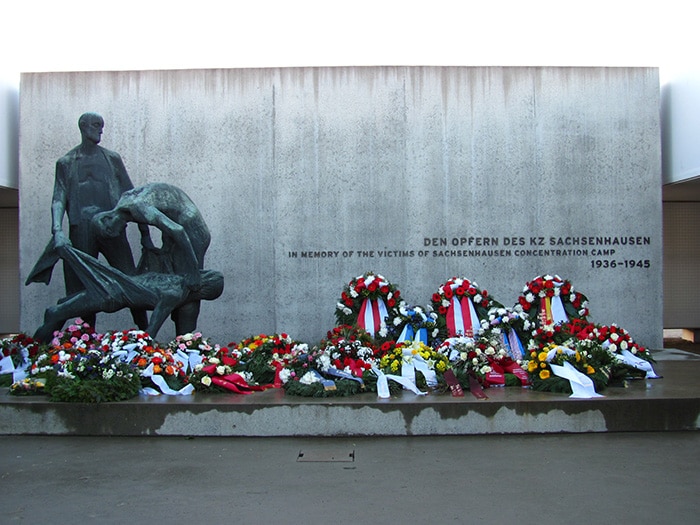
(581, 386)
(558, 311)
(160, 382)
(632, 360)
(383, 384)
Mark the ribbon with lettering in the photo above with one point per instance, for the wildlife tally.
(461, 318)
(496, 377)
(372, 315)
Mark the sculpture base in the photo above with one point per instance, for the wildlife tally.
(668, 404)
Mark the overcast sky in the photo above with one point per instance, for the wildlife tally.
(78, 35)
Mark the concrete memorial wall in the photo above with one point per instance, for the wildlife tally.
(308, 177)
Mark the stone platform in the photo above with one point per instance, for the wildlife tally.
(668, 404)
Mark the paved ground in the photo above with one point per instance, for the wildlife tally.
(559, 479)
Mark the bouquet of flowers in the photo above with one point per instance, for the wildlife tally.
(152, 360)
(485, 359)
(193, 342)
(630, 358)
(506, 324)
(550, 300)
(417, 363)
(224, 372)
(369, 301)
(16, 353)
(586, 357)
(92, 377)
(28, 386)
(78, 337)
(267, 355)
(460, 305)
(21, 348)
(314, 373)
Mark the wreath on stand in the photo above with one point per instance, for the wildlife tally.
(456, 303)
(369, 301)
(550, 300)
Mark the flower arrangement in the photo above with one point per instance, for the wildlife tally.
(20, 347)
(77, 338)
(266, 355)
(28, 386)
(618, 342)
(313, 374)
(369, 301)
(132, 340)
(485, 359)
(193, 342)
(507, 324)
(223, 372)
(423, 362)
(350, 349)
(152, 360)
(456, 302)
(92, 377)
(549, 300)
(587, 357)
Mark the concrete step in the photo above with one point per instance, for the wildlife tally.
(668, 404)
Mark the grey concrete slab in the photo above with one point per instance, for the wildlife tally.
(581, 478)
(670, 403)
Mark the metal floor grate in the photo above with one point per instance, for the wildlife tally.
(342, 456)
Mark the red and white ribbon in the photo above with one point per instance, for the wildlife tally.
(372, 315)
(461, 318)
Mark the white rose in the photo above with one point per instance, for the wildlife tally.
(221, 370)
(206, 380)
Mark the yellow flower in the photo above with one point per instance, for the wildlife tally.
(543, 365)
(542, 356)
(544, 374)
(578, 356)
(590, 370)
(531, 366)
(394, 366)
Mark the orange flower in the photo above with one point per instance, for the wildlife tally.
(142, 362)
(156, 369)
